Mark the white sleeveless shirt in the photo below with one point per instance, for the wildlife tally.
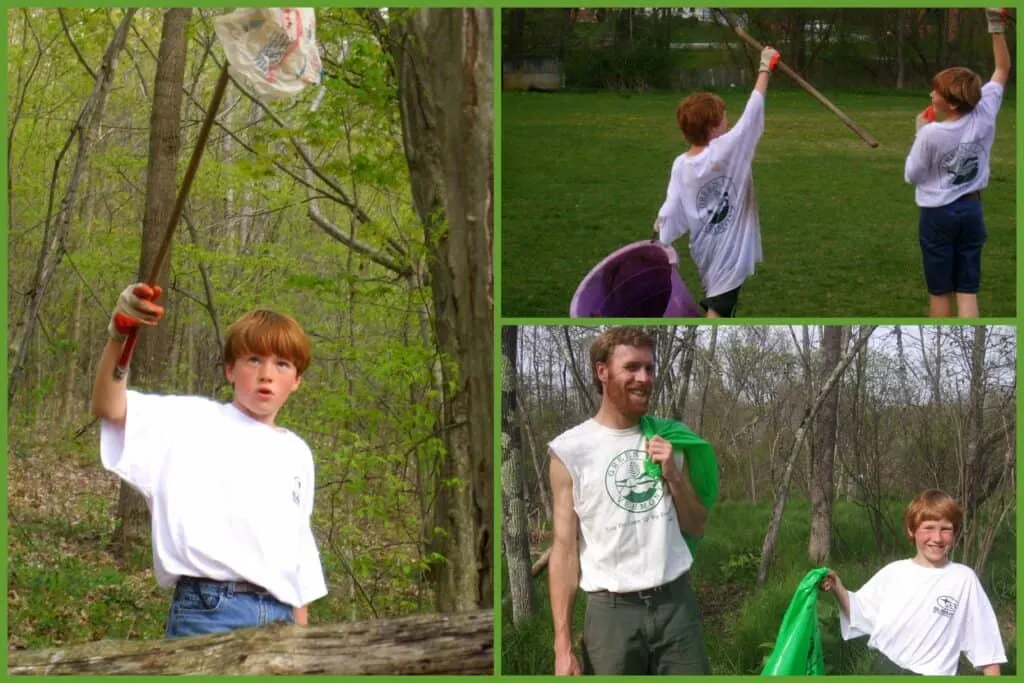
(629, 533)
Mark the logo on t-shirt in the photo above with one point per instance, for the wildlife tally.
(297, 491)
(716, 204)
(945, 606)
(961, 165)
(629, 486)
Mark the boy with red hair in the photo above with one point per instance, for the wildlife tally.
(229, 492)
(921, 613)
(949, 166)
(711, 192)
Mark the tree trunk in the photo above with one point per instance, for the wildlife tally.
(823, 461)
(444, 61)
(708, 371)
(421, 644)
(149, 364)
(768, 548)
(515, 528)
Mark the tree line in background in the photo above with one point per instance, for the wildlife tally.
(861, 414)
(635, 48)
(362, 208)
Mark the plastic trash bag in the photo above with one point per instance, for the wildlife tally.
(272, 50)
(700, 461)
(798, 646)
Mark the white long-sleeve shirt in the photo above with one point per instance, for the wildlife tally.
(951, 158)
(711, 196)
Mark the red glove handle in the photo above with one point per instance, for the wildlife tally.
(121, 369)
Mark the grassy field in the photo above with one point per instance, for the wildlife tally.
(740, 621)
(585, 173)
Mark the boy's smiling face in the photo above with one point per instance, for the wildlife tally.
(262, 384)
(933, 540)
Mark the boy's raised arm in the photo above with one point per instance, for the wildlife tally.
(134, 307)
(1000, 52)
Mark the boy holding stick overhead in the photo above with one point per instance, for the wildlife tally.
(229, 492)
(949, 165)
(711, 192)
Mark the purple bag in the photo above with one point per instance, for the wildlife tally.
(639, 280)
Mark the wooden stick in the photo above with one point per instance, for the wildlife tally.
(121, 369)
(781, 66)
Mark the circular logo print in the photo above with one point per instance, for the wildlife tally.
(716, 204)
(629, 486)
(962, 165)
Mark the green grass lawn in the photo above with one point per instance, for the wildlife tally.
(741, 621)
(585, 173)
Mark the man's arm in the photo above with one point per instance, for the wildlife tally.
(563, 567)
(1000, 52)
(991, 670)
(690, 512)
(301, 615)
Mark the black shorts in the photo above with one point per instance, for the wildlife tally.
(951, 239)
(723, 304)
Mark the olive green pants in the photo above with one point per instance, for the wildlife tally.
(883, 666)
(648, 632)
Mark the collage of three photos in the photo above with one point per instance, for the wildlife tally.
(369, 341)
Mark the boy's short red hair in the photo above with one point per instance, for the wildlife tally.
(959, 86)
(267, 333)
(697, 116)
(933, 505)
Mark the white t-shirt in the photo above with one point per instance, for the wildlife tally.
(629, 533)
(922, 618)
(230, 497)
(711, 196)
(951, 158)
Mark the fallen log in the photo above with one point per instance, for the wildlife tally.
(460, 643)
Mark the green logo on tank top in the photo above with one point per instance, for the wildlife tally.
(629, 486)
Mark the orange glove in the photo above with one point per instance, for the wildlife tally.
(769, 59)
(135, 307)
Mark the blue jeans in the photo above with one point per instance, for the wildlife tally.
(201, 607)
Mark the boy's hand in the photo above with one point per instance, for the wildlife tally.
(769, 59)
(927, 116)
(135, 307)
(996, 19)
(831, 583)
(656, 232)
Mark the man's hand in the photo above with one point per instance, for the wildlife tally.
(926, 116)
(769, 59)
(135, 307)
(660, 452)
(566, 663)
(996, 19)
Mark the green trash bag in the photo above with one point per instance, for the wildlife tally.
(798, 646)
(700, 461)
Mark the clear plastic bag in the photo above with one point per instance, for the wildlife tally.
(272, 50)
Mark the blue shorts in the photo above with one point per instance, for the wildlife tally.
(951, 240)
(200, 607)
